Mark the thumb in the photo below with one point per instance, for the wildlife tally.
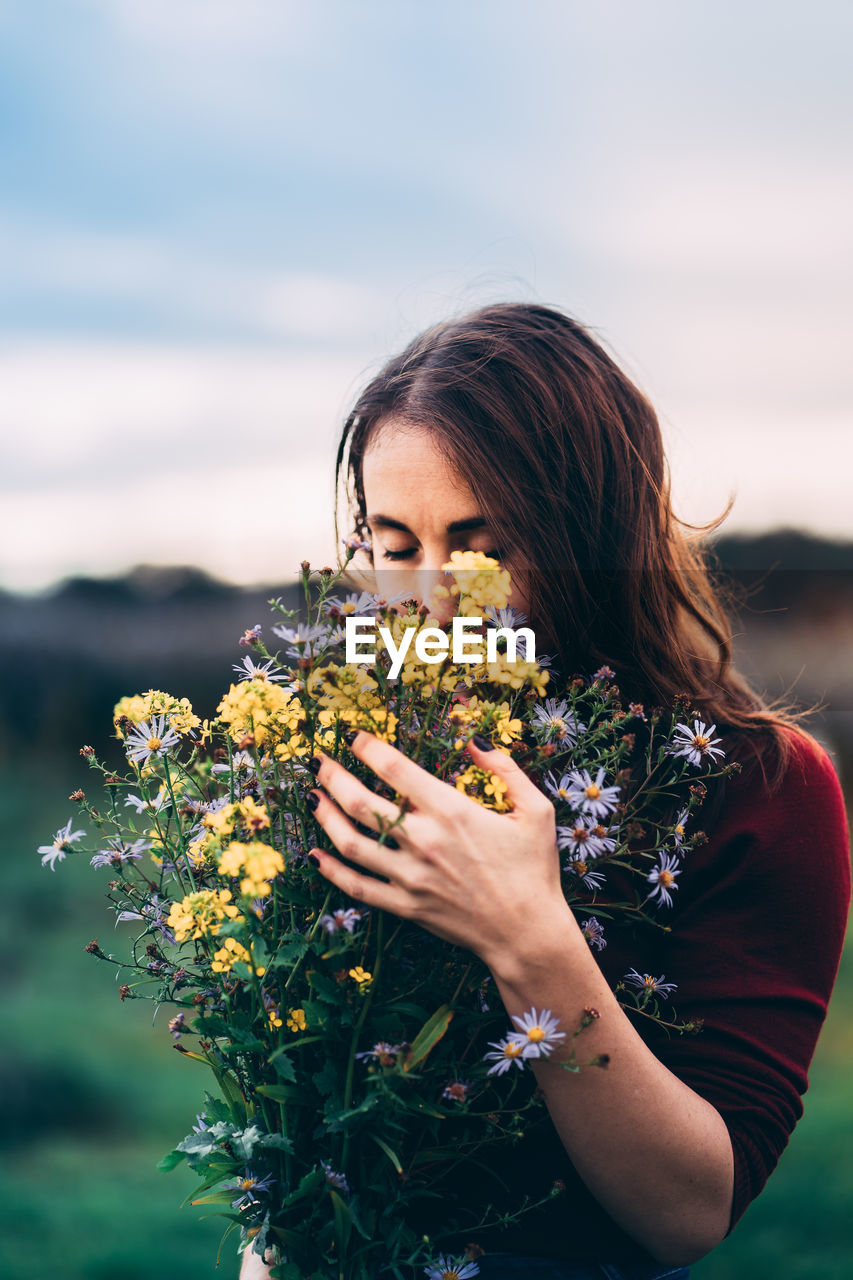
(522, 792)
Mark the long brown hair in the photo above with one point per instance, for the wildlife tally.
(566, 459)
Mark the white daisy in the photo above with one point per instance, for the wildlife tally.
(538, 1033)
(591, 796)
(695, 743)
(147, 740)
(506, 617)
(583, 841)
(62, 841)
(578, 788)
(558, 722)
(509, 1051)
(578, 867)
(141, 803)
(663, 879)
(447, 1268)
(241, 762)
(356, 604)
(250, 670)
(678, 833)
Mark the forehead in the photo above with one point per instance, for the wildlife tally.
(406, 476)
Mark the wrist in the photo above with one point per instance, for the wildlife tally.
(531, 955)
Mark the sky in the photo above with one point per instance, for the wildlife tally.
(218, 218)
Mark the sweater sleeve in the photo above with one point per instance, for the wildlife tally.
(755, 948)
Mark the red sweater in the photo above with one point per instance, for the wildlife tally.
(757, 923)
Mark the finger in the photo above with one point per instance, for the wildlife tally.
(376, 893)
(524, 796)
(401, 774)
(393, 864)
(362, 804)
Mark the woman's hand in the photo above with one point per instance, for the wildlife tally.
(480, 879)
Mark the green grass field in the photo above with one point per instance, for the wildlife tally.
(93, 1096)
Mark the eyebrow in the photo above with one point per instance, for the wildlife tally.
(455, 526)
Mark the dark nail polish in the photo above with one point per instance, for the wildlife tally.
(481, 742)
(312, 800)
(315, 764)
(315, 861)
(350, 736)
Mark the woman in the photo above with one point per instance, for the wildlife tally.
(512, 432)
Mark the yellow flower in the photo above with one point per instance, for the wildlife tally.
(142, 706)
(196, 854)
(273, 1017)
(221, 821)
(361, 976)
(259, 863)
(262, 709)
(252, 814)
(201, 913)
(229, 952)
(296, 1020)
(479, 578)
(348, 693)
(486, 788)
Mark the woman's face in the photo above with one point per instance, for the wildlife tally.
(419, 511)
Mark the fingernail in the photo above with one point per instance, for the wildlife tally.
(481, 742)
(315, 764)
(312, 800)
(314, 860)
(350, 736)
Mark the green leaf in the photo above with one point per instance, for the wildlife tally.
(307, 1184)
(343, 1223)
(284, 1067)
(288, 1093)
(233, 1096)
(327, 988)
(216, 1197)
(392, 1155)
(292, 946)
(428, 1036)
(327, 1080)
(170, 1161)
(235, 1222)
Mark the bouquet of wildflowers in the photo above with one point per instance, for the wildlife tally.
(357, 1057)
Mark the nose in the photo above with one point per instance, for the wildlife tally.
(424, 582)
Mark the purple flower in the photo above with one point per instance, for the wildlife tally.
(344, 918)
(593, 931)
(334, 1179)
(249, 1186)
(382, 1049)
(251, 635)
(119, 852)
(649, 985)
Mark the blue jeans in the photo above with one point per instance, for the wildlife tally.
(516, 1266)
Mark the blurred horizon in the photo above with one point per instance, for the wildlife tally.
(217, 221)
